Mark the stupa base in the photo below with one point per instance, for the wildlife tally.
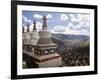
(43, 61)
(54, 62)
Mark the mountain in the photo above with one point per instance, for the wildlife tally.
(72, 48)
(70, 41)
(64, 37)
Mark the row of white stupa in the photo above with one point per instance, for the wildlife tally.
(33, 40)
(40, 47)
(32, 37)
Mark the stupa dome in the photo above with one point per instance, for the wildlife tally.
(44, 34)
(34, 34)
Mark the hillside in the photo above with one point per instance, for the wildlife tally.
(74, 49)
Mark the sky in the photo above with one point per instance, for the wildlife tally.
(59, 22)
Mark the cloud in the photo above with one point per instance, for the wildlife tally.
(26, 20)
(82, 20)
(84, 17)
(49, 16)
(72, 26)
(37, 16)
(38, 26)
(41, 16)
(70, 30)
(80, 28)
(84, 23)
(72, 17)
(58, 29)
(79, 17)
(29, 21)
(64, 17)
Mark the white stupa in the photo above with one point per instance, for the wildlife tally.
(34, 35)
(45, 54)
(44, 34)
(26, 36)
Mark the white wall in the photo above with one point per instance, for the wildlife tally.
(5, 30)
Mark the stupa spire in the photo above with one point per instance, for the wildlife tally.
(28, 28)
(34, 25)
(23, 29)
(44, 27)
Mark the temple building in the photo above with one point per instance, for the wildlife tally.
(44, 53)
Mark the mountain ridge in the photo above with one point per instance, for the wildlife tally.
(70, 41)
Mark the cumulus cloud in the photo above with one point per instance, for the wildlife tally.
(73, 17)
(72, 26)
(26, 20)
(84, 25)
(83, 21)
(38, 26)
(37, 16)
(49, 16)
(64, 17)
(69, 30)
(40, 16)
(29, 21)
(59, 29)
(79, 17)
(79, 28)
(63, 30)
(84, 17)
